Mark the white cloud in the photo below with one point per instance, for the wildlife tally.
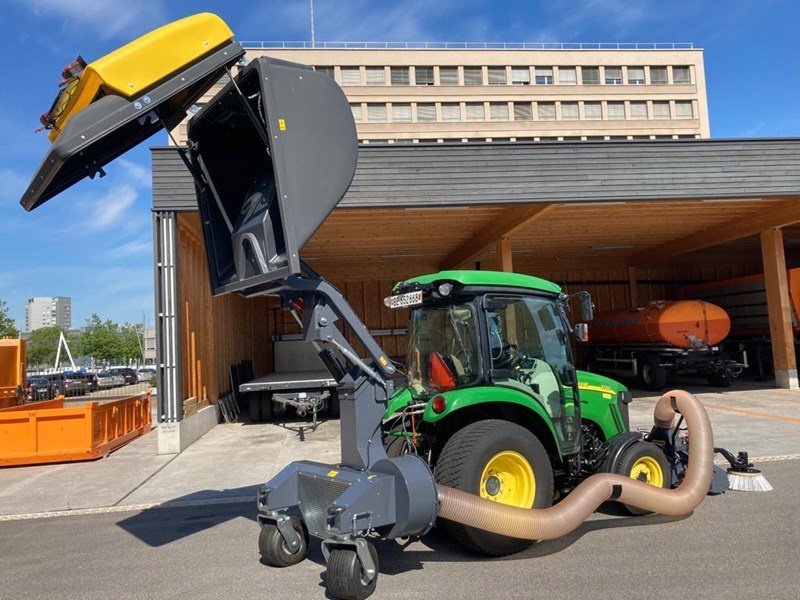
(106, 18)
(135, 173)
(109, 210)
(12, 185)
(140, 246)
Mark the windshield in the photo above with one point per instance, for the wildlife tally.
(443, 349)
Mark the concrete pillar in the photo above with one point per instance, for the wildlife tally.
(503, 252)
(779, 309)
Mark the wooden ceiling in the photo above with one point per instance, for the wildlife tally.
(357, 244)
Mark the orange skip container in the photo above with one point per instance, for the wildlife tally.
(683, 324)
(47, 432)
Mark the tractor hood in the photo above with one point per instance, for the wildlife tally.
(107, 107)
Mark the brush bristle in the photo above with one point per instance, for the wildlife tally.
(748, 482)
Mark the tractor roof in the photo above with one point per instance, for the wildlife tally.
(486, 279)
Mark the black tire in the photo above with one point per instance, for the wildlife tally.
(394, 445)
(653, 374)
(722, 378)
(254, 408)
(345, 578)
(462, 462)
(267, 410)
(632, 454)
(273, 548)
(333, 405)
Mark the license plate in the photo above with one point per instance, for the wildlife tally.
(404, 300)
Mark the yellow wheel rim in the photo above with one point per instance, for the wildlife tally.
(648, 470)
(508, 479)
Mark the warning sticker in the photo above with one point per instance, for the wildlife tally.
(282, 124)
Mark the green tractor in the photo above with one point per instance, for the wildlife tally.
(494, 403)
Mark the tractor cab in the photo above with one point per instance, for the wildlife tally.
(470, 329)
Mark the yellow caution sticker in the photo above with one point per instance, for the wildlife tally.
(282, 124)
(333, 473)
(383, 361)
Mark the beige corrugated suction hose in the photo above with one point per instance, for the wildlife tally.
(567, 515)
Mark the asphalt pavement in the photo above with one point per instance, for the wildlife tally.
(735, 546)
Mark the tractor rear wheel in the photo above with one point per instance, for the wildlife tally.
(500, 461)
(644, 462)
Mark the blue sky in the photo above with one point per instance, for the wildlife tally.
(94, 242)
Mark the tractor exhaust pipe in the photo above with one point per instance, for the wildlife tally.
(567, 515)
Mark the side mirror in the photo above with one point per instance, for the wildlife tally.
(586, 306)
(581, 332)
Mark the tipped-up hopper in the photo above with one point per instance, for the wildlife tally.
(273, 152)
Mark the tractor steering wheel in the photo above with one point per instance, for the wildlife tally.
(508, 356)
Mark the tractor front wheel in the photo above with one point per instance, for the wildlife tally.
(644, 462)
(502, 462)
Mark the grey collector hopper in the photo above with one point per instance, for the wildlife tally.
(273, 153)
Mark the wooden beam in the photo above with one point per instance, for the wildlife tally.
(633, 292)
(785, 213)
(509, 221)
(504, 260)
(779, 309)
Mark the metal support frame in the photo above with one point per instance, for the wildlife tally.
(167, 321)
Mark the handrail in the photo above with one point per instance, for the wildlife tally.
(468, 45)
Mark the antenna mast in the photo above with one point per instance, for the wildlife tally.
(311, 15)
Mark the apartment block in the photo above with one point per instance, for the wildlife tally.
(46, 311)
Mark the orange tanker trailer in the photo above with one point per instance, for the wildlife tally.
(662, 338)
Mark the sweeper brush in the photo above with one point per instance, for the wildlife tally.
(742, 475)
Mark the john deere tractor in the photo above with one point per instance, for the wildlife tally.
(493, 401)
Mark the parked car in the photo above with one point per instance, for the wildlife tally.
(146, 373)
(128, 373)
(67, 384)
(39, 388)
(106, 380)
(90, 379)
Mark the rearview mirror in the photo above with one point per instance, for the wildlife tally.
(586, 306)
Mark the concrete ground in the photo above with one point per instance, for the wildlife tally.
(204, 544)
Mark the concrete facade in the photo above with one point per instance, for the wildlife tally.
(46, 311)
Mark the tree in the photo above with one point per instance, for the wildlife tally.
(131, 341)
(8, 328)
(43, 345)
(100, 339)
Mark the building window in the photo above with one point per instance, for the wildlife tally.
(544, 76)
(498, 111)
(546, 111)
(569, 111)
(448, 75)
(592, 111)
(376, 76)
(401, 113)
(681, 75)
(424, 75)
(400, 76)
(590, 75)
(658, 75)
(475, 111)
(615, 110)
(473, 76)
(523, 111)
(426, 113)
(520, 76)
(567, 76)
(635, 75)
(376, 113)
(661, 110)
(351, 76)
(356, 108)
(325, 71)
(451, 111)
(497, 75)
(638, 110)
(684, 110)
(613, 75)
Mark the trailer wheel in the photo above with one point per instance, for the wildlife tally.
(346, 578)
(254, 407)
(721, 378)
(500, 461)
(644, 462)
(273, 549)
(267, 412)
(653, 373)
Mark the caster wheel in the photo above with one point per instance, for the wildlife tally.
(346, 578)
(273, 548)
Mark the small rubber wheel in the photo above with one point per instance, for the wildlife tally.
(499, 461)
(722, 378)
(346, 577)
(653, 373)
(254, 408)
(644, 462)
(273, 548)
(333, 405)
(267, 410)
